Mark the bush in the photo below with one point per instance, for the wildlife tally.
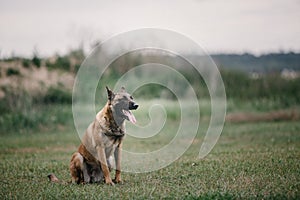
(48, 117)
(63, 63)
(3, 106)
(15, 100)
(273, 87)
(12, 72)
(57, 95)
(21, 113)
(26, 63)
(60, 63)
(36, 61)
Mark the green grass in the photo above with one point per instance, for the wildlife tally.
(250, 161)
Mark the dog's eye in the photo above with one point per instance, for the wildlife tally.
(131, 97)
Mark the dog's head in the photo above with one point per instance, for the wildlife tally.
(122, 103)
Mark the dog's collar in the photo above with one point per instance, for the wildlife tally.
(115, 132)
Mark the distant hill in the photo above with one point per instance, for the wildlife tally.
(274, 62)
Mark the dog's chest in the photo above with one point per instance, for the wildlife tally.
(111, 144)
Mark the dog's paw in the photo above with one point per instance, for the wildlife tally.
(118, 181)
(109, 182)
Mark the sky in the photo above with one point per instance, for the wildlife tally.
(219, 26)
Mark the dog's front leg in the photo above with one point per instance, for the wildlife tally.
(104, 167)
(118, 163)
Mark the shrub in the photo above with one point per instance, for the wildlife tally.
(21, 113)
(3, 106)
(15, 100)
(26, 63)
(63, 63)
(57, 95)
(36, 61)
(39, 116)
(60, 63)
(12, 72)
(273, 87)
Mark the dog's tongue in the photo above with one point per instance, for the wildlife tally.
(130, 116)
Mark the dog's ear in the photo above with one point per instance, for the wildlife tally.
(123, 89)
(110, 94)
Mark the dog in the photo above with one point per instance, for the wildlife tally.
(102, 141)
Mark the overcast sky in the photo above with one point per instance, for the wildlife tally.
(234, 26)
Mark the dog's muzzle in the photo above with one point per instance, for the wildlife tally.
(133, 106)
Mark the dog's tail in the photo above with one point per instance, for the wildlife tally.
(52, 178)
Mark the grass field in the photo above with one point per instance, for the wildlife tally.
(250, 161)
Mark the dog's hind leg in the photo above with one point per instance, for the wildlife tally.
(77, 168)
(86, 175)
(96, 174)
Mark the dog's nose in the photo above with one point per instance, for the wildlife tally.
(135, 106)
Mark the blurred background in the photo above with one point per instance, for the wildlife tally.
(256, 47)
(255, 44)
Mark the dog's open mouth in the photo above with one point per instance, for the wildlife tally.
(130, 116)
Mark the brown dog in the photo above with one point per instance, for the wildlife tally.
(103, 139)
